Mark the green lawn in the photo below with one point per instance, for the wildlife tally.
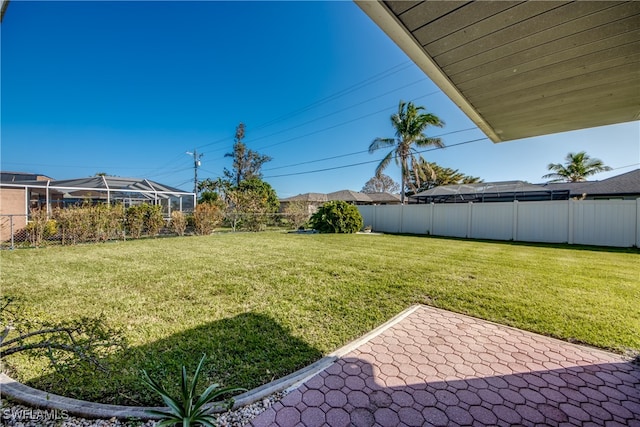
(262, 305)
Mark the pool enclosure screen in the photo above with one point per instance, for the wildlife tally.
(103, 189)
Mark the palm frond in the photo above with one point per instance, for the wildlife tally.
(384, 163)
(427, 142)
(380, 143)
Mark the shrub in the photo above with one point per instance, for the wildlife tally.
(206, 217)
(40, 226)
(135, 220)
(337, 217)
(297, 213)
(153, 219)
(88, 222)
(252, 205)
(178, 223)
(144, 218)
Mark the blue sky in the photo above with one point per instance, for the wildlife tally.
(127, 88)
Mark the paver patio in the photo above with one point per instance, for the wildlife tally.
(435, 367)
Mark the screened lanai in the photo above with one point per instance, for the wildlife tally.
(486, 192)
(103, 189)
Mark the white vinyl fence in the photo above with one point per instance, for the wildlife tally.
(583, 222)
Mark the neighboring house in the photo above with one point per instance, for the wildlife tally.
(384, 198)
(315, 200)
(20, 192)
(485, 192)
(353, 197)
(312, 201)
(625, 186)
(13, 200)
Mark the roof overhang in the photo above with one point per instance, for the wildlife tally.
(523, 69)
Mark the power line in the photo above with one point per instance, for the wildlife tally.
(627, 166)
(376, 77)
(334, 113)
(371, 161)
(339, 124)
(354, 153)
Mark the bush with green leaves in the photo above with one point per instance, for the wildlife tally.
(88, 222)
(337, 217)
(40, 227)
(144, 218)
(154, 220)
(135, 220)
(251, 205)
(189, 409)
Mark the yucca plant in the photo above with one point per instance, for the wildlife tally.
(188, 410)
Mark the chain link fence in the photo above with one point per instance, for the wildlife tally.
(40, 230)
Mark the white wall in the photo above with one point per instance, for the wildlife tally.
(585, 222)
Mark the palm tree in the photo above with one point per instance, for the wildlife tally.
(410, 123)
(577, 168)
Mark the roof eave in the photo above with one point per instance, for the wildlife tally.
(386, 20)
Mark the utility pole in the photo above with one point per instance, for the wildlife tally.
(196, 165)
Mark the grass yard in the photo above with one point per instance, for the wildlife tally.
(262, 305)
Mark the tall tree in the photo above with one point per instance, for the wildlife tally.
(577, 167)
(410, 123)
(380, 184)
(246, 163)
(438, 175)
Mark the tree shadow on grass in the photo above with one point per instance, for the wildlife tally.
(247, 350)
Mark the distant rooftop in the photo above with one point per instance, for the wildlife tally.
(624, 185)
(347, 196)
(6, 176)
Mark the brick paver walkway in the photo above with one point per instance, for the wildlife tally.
(435, 367)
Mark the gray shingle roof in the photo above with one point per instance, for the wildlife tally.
(349, 196)
(482, 188)
(624, 184)
(307, 197)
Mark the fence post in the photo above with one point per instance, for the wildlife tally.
(570, 210)
(11, 230)
(469, 219)
(514, 231)
(374, 226)
(638, 222)
(431, 219)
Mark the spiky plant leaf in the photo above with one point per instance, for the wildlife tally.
(184, 410)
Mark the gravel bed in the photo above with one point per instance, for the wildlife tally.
(14, 415)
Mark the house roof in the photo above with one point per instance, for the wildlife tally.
(345, 195)
(624, 184)
(307, 197)
(621, 185)
(7, 176)
(349, 196)
(522, 69)
(80, 187)
(482, 188)
(384, 197)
